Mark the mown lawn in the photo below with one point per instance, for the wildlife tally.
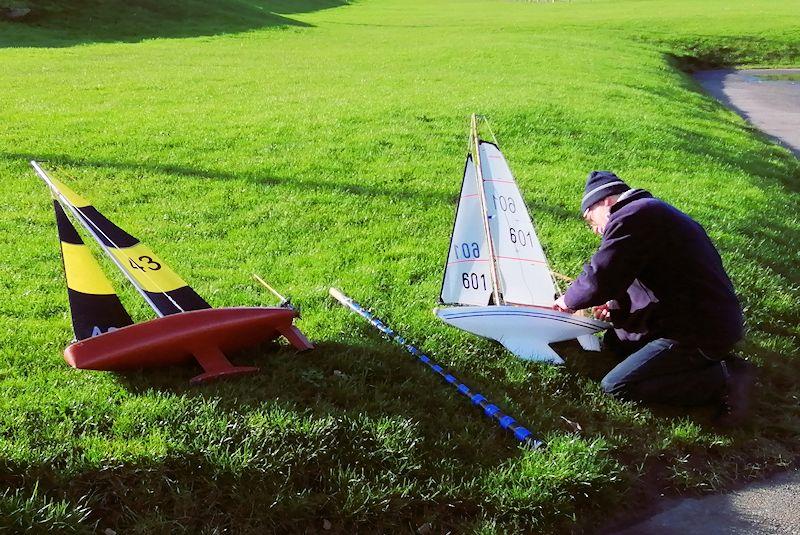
(322, 144)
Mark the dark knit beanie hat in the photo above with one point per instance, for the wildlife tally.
(599, 185)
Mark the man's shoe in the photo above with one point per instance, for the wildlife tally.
(739, 378)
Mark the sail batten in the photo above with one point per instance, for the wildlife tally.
(159, 285)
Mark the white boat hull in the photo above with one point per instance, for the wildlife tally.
(525, 331)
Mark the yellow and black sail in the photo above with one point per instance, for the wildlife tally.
(94, 304)
(161, 287)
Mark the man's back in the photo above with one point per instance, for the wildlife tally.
(666, 275)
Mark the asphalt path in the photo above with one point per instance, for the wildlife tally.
(770, 507)
(772, 106)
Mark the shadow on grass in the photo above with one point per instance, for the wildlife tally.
(777, 172)
(774, 168)
(256, 176)
(335, 380)
(295, 477)
(321, 463)
(60, 24)
(692, 53)
(189, 494)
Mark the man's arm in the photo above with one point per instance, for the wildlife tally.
(626, 247)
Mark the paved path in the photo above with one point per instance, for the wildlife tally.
(772, 106)
(771, 507)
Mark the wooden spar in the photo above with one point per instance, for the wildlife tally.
(270, 288)
(560, 276)
(479, 173)
(556, 275)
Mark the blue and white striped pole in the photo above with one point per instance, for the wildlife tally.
(491, 410)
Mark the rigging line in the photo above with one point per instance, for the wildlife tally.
(122, 268)
(469, 142)
(491, 132)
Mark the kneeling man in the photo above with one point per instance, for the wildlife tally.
(659, 280)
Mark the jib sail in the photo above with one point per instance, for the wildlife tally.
(160, 286)
(467, 276)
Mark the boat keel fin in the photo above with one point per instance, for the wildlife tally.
(297, 338)
(216, 365)
(527, 349)
(589, 342)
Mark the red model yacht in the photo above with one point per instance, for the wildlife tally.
(186, 328)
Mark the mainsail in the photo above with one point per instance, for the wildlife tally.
(521, 264)
(161, 287)
(94, 304)
(467, 277)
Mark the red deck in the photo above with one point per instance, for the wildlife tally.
(176, 339)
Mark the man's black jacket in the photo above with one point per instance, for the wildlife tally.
(664, 276)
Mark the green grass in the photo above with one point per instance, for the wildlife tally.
(322, 147)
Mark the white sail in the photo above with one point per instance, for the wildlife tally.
(521, 264)
(467, 276)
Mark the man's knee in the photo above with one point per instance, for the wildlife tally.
(614, 386)
(611, 385)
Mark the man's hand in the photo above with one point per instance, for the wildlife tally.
(602, 312)
(561, 306)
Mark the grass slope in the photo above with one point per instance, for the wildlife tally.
(328, 152)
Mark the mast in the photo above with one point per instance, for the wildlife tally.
(486, 228)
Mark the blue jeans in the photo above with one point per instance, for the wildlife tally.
(664, 371)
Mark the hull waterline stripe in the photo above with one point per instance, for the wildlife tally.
(505, 421)
(460, 315)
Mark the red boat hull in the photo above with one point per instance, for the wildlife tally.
(176, 339)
